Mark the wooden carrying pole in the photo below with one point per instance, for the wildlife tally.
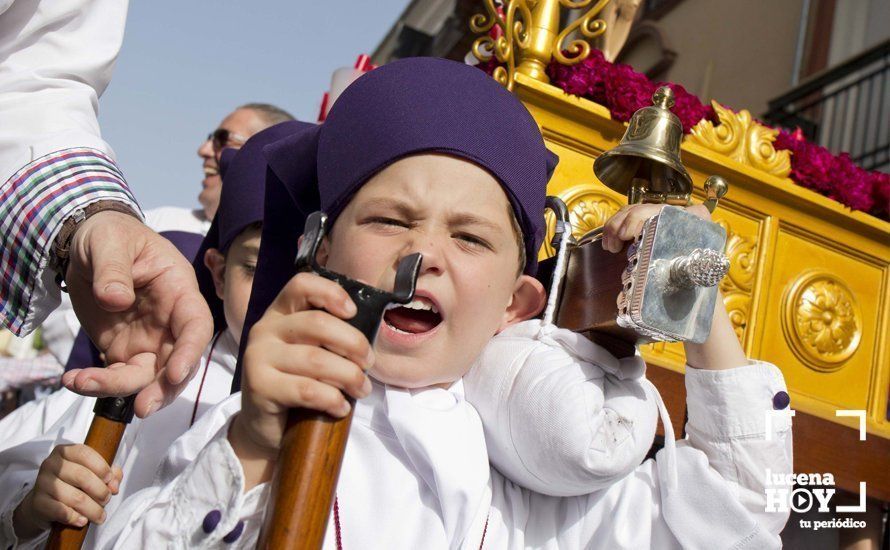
(112, 416)
(305, 481)
(313, 444)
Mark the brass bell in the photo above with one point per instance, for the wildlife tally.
(646, 165)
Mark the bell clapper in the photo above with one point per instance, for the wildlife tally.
(715, 189)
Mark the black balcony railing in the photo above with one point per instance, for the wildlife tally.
(845, 108)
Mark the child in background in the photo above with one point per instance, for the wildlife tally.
(431, 156)
(47, 474)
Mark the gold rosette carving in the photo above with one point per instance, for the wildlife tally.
(743, 139)
(822, 321)
(738, 285)
(588, 210)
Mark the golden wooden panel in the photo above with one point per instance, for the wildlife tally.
(819, 318)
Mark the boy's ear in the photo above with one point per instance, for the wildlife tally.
(321, 255)
(216, 263)
(529, 298)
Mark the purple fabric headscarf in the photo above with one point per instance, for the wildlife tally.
(419, 105)
(243, 173)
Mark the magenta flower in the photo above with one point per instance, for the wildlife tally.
(623, 91)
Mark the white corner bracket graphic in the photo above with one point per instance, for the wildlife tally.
(861, 507)
(860, 414)
(768, 421)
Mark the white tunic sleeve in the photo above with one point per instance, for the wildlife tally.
(201, 474)
(57, 61)
(562, 416)
(718, 501)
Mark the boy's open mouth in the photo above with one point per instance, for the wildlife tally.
(418, 316)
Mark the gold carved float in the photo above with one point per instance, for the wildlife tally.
(809, 283)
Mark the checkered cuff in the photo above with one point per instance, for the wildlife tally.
(34, 203)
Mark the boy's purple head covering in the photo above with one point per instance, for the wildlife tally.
(410, 106)
(419, 105)
(243, 173)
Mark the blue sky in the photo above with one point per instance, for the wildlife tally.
(186, 64)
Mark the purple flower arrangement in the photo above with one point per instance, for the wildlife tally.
(623, 90)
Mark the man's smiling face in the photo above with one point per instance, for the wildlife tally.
(240, 125)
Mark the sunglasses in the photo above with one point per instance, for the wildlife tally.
(222, 138)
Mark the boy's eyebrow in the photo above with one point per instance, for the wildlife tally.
(399, 205)
(466, 218)
(459, 219)
(252, 248)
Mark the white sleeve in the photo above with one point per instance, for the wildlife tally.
(200, 476)
(719, 499)
(57, 59)
(562, 416)
(737, 421)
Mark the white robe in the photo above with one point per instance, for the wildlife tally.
(417, 475)
(29, 434)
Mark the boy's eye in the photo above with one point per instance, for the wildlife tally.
(249, 268)
(381, 220)
(472, 241)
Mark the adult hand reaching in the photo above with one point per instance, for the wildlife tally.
(138, 299)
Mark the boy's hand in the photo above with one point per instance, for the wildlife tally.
(627, 223)
(722, 349)
(301, 353)
(73, 486)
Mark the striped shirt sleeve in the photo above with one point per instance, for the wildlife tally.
(34, 203)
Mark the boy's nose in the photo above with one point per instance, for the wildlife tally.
(432, 263)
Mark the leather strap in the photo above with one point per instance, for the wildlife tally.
(61, 248)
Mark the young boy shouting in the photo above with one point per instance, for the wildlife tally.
(430, 156)
(47, 475)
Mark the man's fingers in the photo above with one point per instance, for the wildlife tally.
(116, 380)
(611, 228)
(192, 326)
(112, 266)
(157, 395)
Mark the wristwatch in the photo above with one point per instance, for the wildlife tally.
(61, 247)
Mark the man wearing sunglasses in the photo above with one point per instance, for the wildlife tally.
(232, 132)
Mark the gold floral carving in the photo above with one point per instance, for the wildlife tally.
(738, 285)
(822, 321)
(529, 35)
(741, 138)
(588, 210)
